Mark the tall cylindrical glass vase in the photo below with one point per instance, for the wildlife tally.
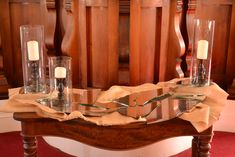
(33, 58)
(200, 72)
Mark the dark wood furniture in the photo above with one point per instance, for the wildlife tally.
(140, 40)
(121, 137)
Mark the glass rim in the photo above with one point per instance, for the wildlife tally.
(203, 20)
(59, 57)
(31, 26)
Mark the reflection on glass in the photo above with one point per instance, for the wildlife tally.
(154, 105)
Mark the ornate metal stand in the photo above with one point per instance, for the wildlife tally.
(200, 80)
(60, 86)
(35, 87)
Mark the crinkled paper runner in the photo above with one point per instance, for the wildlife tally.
(201, 118)
(210, 109)
(26, 103)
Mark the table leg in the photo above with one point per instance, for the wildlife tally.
(204, 146)
(195, 143)
(30, 146)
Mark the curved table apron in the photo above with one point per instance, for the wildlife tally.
(121, 137)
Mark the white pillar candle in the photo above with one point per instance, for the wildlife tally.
(33, 51)
(60, 72)
(202, 49)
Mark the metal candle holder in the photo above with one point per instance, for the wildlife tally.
(35, 76)
(201, 73)
(60, 87)
(200, 79)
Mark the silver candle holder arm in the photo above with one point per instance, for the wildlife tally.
(200, 78)
(60, 87)
(35, 76)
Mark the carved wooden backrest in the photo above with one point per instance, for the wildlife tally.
(89, 31)
(118, 41)
(156, 43)
(91, 39)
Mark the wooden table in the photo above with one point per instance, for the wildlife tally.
(122, 137)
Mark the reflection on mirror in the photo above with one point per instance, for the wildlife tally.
(154, 105)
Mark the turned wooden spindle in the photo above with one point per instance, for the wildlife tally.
(195, 142)
(204, 146)
(30, 146)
